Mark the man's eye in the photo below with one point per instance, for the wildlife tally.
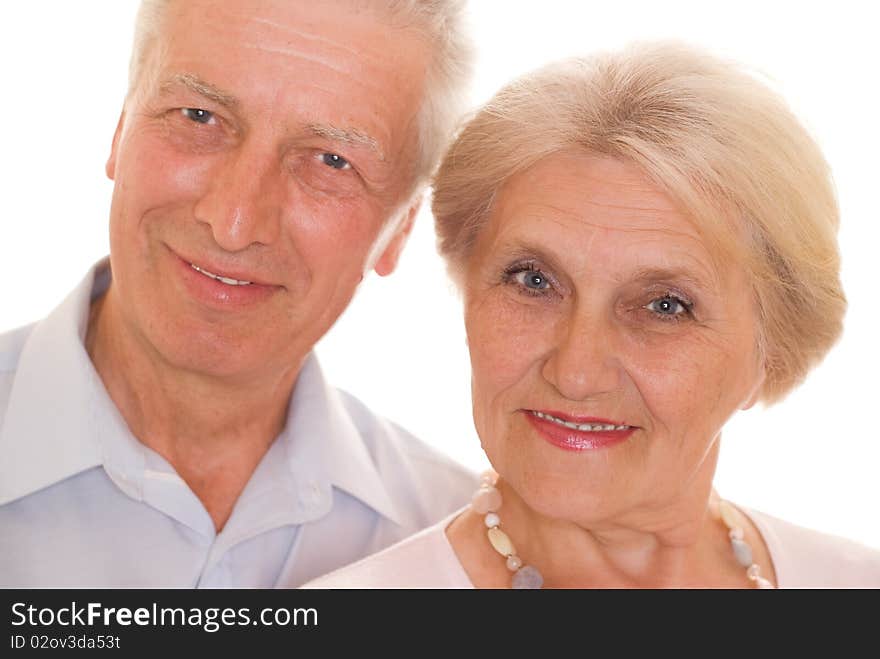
(335, 161)
(198, 115)
(668, 306)
(531, 279)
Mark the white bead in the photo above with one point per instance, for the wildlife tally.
(729, 514)
(736, 533)
(487, 477)
(514, 562)
(501, 542)
(754, 571)
(742, 551)
(491, 520)
(764, 584)
(486, 500)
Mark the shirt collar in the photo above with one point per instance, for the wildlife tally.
(45, 436)
(60, 421)
(322, 434)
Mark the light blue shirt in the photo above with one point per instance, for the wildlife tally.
(84, 503)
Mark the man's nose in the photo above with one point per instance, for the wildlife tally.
(243, 200)
(583, 362)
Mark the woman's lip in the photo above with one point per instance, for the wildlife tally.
(577, 440)
(576, 418)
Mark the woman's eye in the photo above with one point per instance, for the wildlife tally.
(198, 115)
(533, 280)
(335, 161)
(668, 306)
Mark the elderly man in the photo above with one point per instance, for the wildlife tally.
(167, 424)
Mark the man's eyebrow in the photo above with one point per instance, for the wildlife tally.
(347, 136)
(199, 86)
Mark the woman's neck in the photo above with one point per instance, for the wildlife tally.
(684, 546)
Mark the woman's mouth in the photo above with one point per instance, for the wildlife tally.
(578, 433)
(586, 427)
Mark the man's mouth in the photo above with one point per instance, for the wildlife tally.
(225, 280)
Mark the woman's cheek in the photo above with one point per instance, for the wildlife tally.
(505, 338)
(683, 385)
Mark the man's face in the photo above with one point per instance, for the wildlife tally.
(269, 143)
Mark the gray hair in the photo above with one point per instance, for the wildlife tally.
(447, 78)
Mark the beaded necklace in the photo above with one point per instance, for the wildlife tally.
(487, 501)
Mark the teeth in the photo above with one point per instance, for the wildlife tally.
(233, 282)
(225, 280)
(583, 427)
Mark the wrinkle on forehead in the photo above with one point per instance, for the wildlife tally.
(639, 216)
(349, 48)
(305, 36)
(288, 39)
(584, 229)
(298, 53)
(599, 184)
(564, 214)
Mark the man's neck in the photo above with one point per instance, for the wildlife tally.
(213, 431)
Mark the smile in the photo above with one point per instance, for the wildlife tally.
(583, 427)
(220, 278)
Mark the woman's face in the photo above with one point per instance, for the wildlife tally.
(590, 300)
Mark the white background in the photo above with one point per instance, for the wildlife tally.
(400, 347)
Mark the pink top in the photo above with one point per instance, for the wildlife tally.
(802, 558)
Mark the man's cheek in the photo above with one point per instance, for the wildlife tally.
(166, 174)
(332, 239)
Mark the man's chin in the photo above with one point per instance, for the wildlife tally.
(223, 358)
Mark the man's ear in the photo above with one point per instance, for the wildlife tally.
(110, 167)
(388, 260)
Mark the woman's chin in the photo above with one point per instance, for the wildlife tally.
(571, 500)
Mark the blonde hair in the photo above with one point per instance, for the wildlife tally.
(447, 78)
(723, 145)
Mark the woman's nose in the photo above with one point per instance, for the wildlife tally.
(582, 363)
(243, 202)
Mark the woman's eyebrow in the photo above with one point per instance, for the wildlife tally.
(699, 280)
(519, 250)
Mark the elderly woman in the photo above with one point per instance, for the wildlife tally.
(646, 244)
